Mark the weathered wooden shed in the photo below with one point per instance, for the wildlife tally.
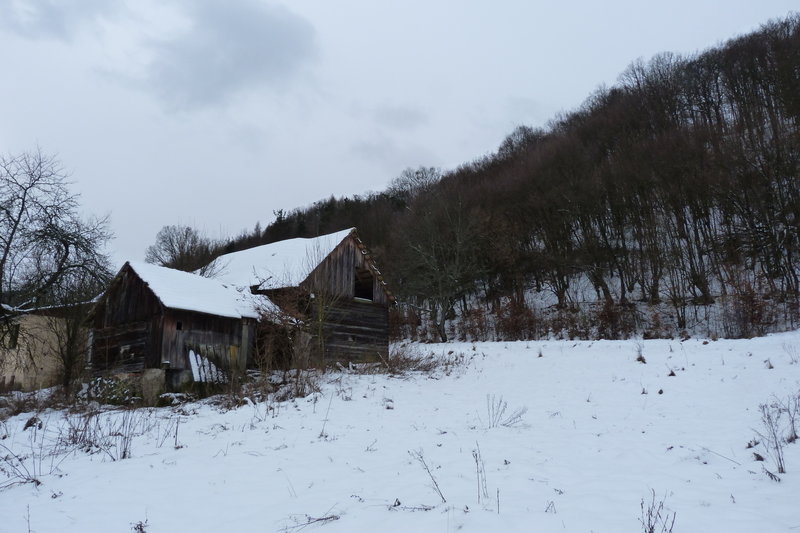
(324, 292)
(331, 283)
(153, 317)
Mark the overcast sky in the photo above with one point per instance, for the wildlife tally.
(216, 113)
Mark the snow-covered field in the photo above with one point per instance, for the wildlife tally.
(601, 432)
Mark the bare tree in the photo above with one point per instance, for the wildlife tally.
(413, 182)
(182, 248)
(52, 345)
(440, 261)
(43, 239)
(66, 324)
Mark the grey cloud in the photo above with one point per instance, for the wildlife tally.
(400, 117)
(391, 156)
(527, 110)
(374, 149)
(230, 46)
(51, 19)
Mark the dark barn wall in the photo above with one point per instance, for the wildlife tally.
(336, 273)
(225, 341)
(127, 326)
(353, 329)
(356, 331)
(133, 331)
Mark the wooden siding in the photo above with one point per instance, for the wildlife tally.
(355, 331)
(128, 299)
(336, 274)
(127, 326)
(224, 341)
(133, 331)
(122, 348)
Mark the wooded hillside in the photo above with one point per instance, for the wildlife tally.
(676, 187)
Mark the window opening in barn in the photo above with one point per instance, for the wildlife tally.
(179, 325)
(363, 284)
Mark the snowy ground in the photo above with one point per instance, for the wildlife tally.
(591, 446)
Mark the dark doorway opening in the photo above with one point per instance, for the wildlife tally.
(363, 284)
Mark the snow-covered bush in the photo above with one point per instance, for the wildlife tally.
(112, 391)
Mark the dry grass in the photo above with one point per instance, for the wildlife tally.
(409, 358)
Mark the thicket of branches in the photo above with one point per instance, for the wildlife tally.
(678, 186)
(44, 242)
(183, 248)
(52, 264)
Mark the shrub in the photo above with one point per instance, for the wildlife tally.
(616, 321)
(772, 435)
(111, 433)
(404, 358)
(517, 321)
(404, 323)
(745, 311)
(474, 325)
(407, 358)
(497, 415)
(16, 403)
(112, 391)
(654, 518)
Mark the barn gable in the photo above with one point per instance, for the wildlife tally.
(348, 296)
(151, 317)
(337, 262)
(277, 265)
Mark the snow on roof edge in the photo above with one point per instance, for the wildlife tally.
(280, 264)
(186, 291)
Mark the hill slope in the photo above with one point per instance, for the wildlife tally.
(675, 187)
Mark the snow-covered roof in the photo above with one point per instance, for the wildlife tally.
(190, 292)
(276, 265)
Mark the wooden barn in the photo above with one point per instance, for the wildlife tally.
(188, 326)
(329, 283)
(324, 296)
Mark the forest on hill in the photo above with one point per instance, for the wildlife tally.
(669, 194)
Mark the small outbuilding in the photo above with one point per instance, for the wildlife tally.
(189, 326)
(323, 296)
